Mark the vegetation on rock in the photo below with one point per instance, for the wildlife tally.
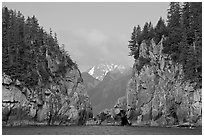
(157, 94)
(41, 83)
(25, 47)
(166, 84)
(183, 38)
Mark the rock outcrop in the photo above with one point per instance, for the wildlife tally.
(157, 95)
(63, 100)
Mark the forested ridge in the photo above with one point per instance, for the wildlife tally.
(182, 33)
(40, 82)
(25, 42)
(25, 45)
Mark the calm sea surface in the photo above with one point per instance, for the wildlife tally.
(98, 130)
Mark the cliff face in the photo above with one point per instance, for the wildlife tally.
(156, 93)
(63, 100)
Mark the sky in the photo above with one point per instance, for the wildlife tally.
(93, 32)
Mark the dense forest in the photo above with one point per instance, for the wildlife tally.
(25, 45)
(182, 33)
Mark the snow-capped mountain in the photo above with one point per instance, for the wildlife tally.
(99, 71)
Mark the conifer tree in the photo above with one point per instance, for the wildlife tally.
(139, 35)
(5, 39)
(159, 30)
(145, 31)
(194, 62)
(133, 43)
(174, 31)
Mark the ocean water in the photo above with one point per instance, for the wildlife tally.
(99, 130)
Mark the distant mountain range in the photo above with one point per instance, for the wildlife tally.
(104, 94)
(90, 81)
(99, 71)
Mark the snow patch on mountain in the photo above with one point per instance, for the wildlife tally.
(91, 72)
(99, 71)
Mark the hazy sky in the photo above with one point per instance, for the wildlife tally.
(93, 32)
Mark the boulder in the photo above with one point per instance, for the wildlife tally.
(161, 121)
(43, 113)
(197, 107)
(6, 79)
(33, 110)
(73, 113)
(196, 96)
(13, 95)
(146, 112)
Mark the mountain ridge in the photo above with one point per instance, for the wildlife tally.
(106, 93)
(100, 70)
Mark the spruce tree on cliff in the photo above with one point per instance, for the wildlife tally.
(191, 56)
(160, 30)
(135, 42)
(174, 29)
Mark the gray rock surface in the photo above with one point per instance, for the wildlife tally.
(59, 102)
(158, 92)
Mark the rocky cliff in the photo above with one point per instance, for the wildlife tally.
(63, 100)
(157, 95)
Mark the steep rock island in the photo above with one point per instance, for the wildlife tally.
(157, 95)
